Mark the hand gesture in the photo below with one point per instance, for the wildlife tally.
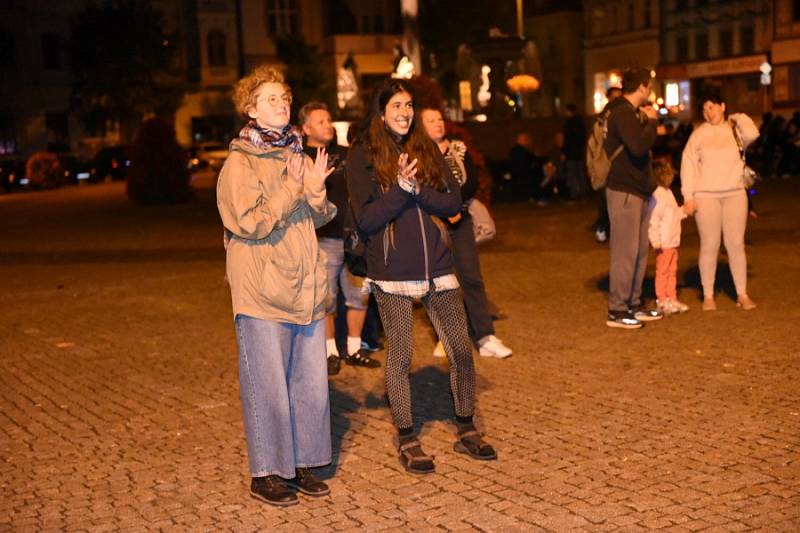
(295, 168)
(321, 169)
(406, 174)
(650, 112)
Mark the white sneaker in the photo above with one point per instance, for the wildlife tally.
(491, 346)
(438, 351)
(679, 307)
(667, 307)
(600, 235)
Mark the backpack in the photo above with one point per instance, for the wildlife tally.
(355, 246)
(598, 163)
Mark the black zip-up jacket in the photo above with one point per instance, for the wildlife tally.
(418, 251)
(335, 189)
(631, 171)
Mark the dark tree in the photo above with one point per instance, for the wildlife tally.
(122, 62)
(305, 74)
(158, 173)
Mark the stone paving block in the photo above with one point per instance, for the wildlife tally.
(595, 429)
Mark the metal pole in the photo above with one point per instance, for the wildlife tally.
(519, 18)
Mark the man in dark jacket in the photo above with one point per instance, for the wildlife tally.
(315, 119)
(630, 185)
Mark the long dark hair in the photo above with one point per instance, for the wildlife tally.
(383, 144)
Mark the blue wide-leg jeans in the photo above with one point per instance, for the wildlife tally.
(283, 383)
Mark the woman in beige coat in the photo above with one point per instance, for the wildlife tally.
(271, 197)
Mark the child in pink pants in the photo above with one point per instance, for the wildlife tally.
(665, 237)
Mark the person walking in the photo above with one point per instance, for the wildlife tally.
(714, 192)
(665, 236)
(462, 237)
(630, 184)
(270, 197)
(400, 189)
(317, 125)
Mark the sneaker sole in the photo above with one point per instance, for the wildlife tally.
(493, 354)
(273, 503)
(649, 318)
(307, 492)
(615, 324)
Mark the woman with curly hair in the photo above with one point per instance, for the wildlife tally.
(271, 197)
(400, 189)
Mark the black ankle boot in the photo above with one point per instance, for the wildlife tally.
(307, 483)
(273, 490)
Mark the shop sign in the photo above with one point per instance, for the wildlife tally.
(725, 67)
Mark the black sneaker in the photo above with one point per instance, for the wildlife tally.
(360, 359)
(307, 483)
(273, 490)
(368, 346)
(647, 315)
(623, 319)
(334, 365)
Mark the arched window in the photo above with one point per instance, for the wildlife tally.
(216, 48)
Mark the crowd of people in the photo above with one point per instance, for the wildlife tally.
(288, 198)
(293, 203)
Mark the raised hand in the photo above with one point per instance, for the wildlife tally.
(406, 174)
(295, 168)
(321, 169)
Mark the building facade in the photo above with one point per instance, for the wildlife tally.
(221, 41)
(561, 56)
(617, 35)
(715, 47)
(786, 57)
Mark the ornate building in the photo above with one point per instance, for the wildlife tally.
(719, 47)
(618, 35)
(786, 56)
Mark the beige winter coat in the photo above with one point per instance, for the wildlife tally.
(275, 268)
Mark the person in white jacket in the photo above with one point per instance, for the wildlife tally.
(714, 192)
(664, 232)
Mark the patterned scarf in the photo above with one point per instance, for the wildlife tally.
(265, 138)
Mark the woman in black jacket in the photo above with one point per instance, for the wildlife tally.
(400, 189)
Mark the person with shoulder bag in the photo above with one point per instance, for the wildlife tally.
(462, 235)
(714, 178)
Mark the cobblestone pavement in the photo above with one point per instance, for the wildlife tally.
(119, 403)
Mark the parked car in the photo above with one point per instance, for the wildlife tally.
(12, 174)
(110, 163)
(210, 154)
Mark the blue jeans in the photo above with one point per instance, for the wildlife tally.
(283, 383)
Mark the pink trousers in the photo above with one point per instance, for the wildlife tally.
(667, 274)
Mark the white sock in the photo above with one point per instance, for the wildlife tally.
(331, 345)
(353, 345)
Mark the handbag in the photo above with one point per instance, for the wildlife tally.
(482, 222)
(749, 176)
(355, 246)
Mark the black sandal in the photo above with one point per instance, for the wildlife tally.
(471, 443)
(414, 459)
(359, 360)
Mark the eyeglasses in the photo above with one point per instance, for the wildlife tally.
(275, 100)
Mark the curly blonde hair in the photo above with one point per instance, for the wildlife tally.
(244, 92)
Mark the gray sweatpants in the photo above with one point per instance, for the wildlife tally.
(726, 215)
(628, 247)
